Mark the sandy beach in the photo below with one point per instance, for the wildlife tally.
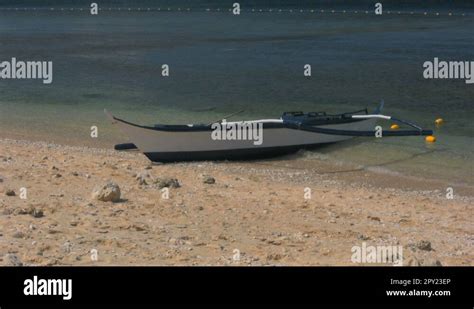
(217, 213)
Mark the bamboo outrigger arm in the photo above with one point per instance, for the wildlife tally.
(418, 132)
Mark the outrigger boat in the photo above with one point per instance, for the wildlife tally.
(292, 132)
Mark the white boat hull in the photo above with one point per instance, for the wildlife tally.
(168, 145)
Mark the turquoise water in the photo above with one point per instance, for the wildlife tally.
(221, 63)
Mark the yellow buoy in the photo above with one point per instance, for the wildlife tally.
(439, 121)
(394, 127)
(430, 139)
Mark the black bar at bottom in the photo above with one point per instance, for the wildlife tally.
(239, 285)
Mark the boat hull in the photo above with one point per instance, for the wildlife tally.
(234, 154)
(197, 145)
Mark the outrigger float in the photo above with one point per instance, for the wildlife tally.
(292, 132)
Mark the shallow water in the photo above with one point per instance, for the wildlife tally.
(222, 63)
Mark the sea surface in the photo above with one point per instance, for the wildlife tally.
(221, 63)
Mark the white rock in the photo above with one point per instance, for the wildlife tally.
(110, 192)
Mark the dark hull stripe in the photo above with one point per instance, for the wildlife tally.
(235, 154)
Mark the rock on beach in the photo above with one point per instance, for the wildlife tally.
(110, 192)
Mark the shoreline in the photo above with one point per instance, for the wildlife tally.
(258, 208)
(347, 173)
